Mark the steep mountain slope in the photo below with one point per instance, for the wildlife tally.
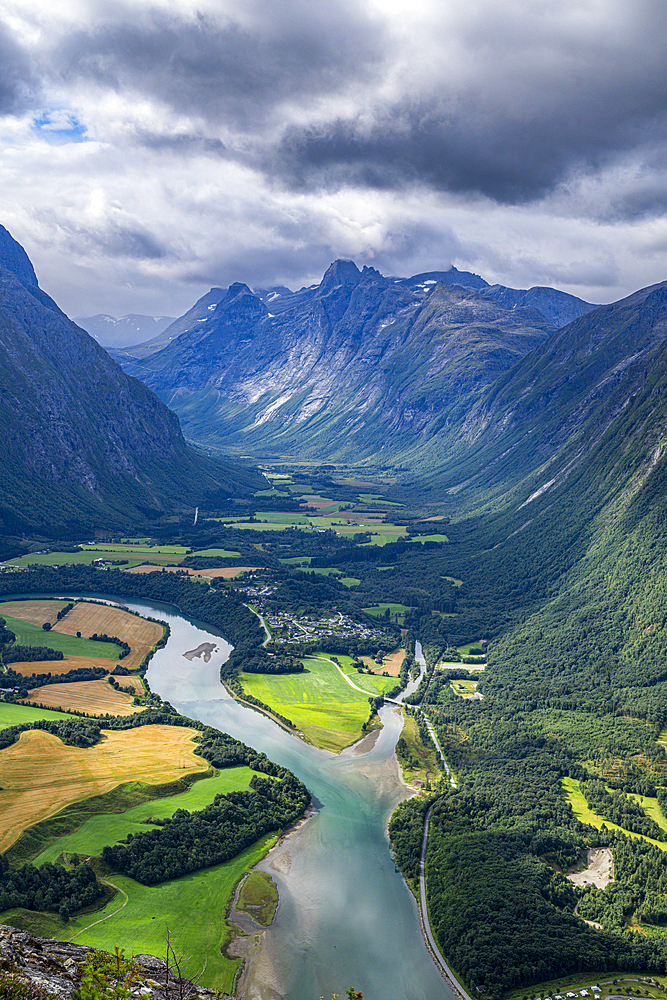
(84, 444)
(359, 365)
(603, 376)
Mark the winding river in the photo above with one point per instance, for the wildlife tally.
(346, 917)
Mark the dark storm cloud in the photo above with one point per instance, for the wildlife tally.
(530, 96)
(226, 72)
(476, 140)
(17, 84)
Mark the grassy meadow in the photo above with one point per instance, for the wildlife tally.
(464, 689)
(192, 908)
(134, 553)
(573, 794)
(319, 701)
(16, 715)
(96, 832)
(32, 635)
(378, 610)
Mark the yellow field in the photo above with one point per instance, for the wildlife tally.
(227, 572)
(133, 682)
(92, 697)
(34, 612)
(140, 635)
(60, 666)
(392, 663)
(40, 775)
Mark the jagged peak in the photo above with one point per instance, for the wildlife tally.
(341, 272)
(240, 300)
(16, 260)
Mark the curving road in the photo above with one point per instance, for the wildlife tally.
(426, 924)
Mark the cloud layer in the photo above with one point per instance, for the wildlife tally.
(152, 148)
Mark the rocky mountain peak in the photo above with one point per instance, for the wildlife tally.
(342, 273)
(16, 260)
(240, 305)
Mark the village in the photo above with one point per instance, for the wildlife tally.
(288, 627)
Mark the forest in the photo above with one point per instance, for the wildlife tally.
(49, 887)
(190, 841)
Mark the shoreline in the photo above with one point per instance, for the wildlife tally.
(248, 942)
(260, 977)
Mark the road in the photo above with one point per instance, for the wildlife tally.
(426, 925)
(369, 694)
(264, 625)
(431, 730)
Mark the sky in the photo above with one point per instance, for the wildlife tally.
(150, 150)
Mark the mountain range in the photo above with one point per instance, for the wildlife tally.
(358, 367)
(117, 331)
(85, 445)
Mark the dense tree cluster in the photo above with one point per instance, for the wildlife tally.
(49, 887)
(188, 841)
(278, 663)
(31, 654)
(505, 920)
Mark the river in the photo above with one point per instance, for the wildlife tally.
(346, 917)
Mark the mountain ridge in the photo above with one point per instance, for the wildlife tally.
(92, 446)
(357, 365)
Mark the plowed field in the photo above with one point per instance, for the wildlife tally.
(35, 612)
(92, 697)
(105, 619)
(226, 572)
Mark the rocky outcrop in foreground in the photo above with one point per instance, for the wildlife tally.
(56, 967)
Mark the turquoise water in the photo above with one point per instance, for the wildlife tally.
(346, 917)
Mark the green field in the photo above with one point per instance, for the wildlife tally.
(135, 554)
(319, 701)
(464, 689)
(430, 538)
(575, 797)
(374, 684)
(219, 553)
(465, 650)
(192, 908)
(652, 808)
(378, 610)
(16, 715)
(376, 498)
(283, 517)
(381, 539)
(100, 830)
(128, 547)
(33, 635)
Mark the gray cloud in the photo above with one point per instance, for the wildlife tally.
(260, 141)
(512, 133)
(17, 82)
(226, 72)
